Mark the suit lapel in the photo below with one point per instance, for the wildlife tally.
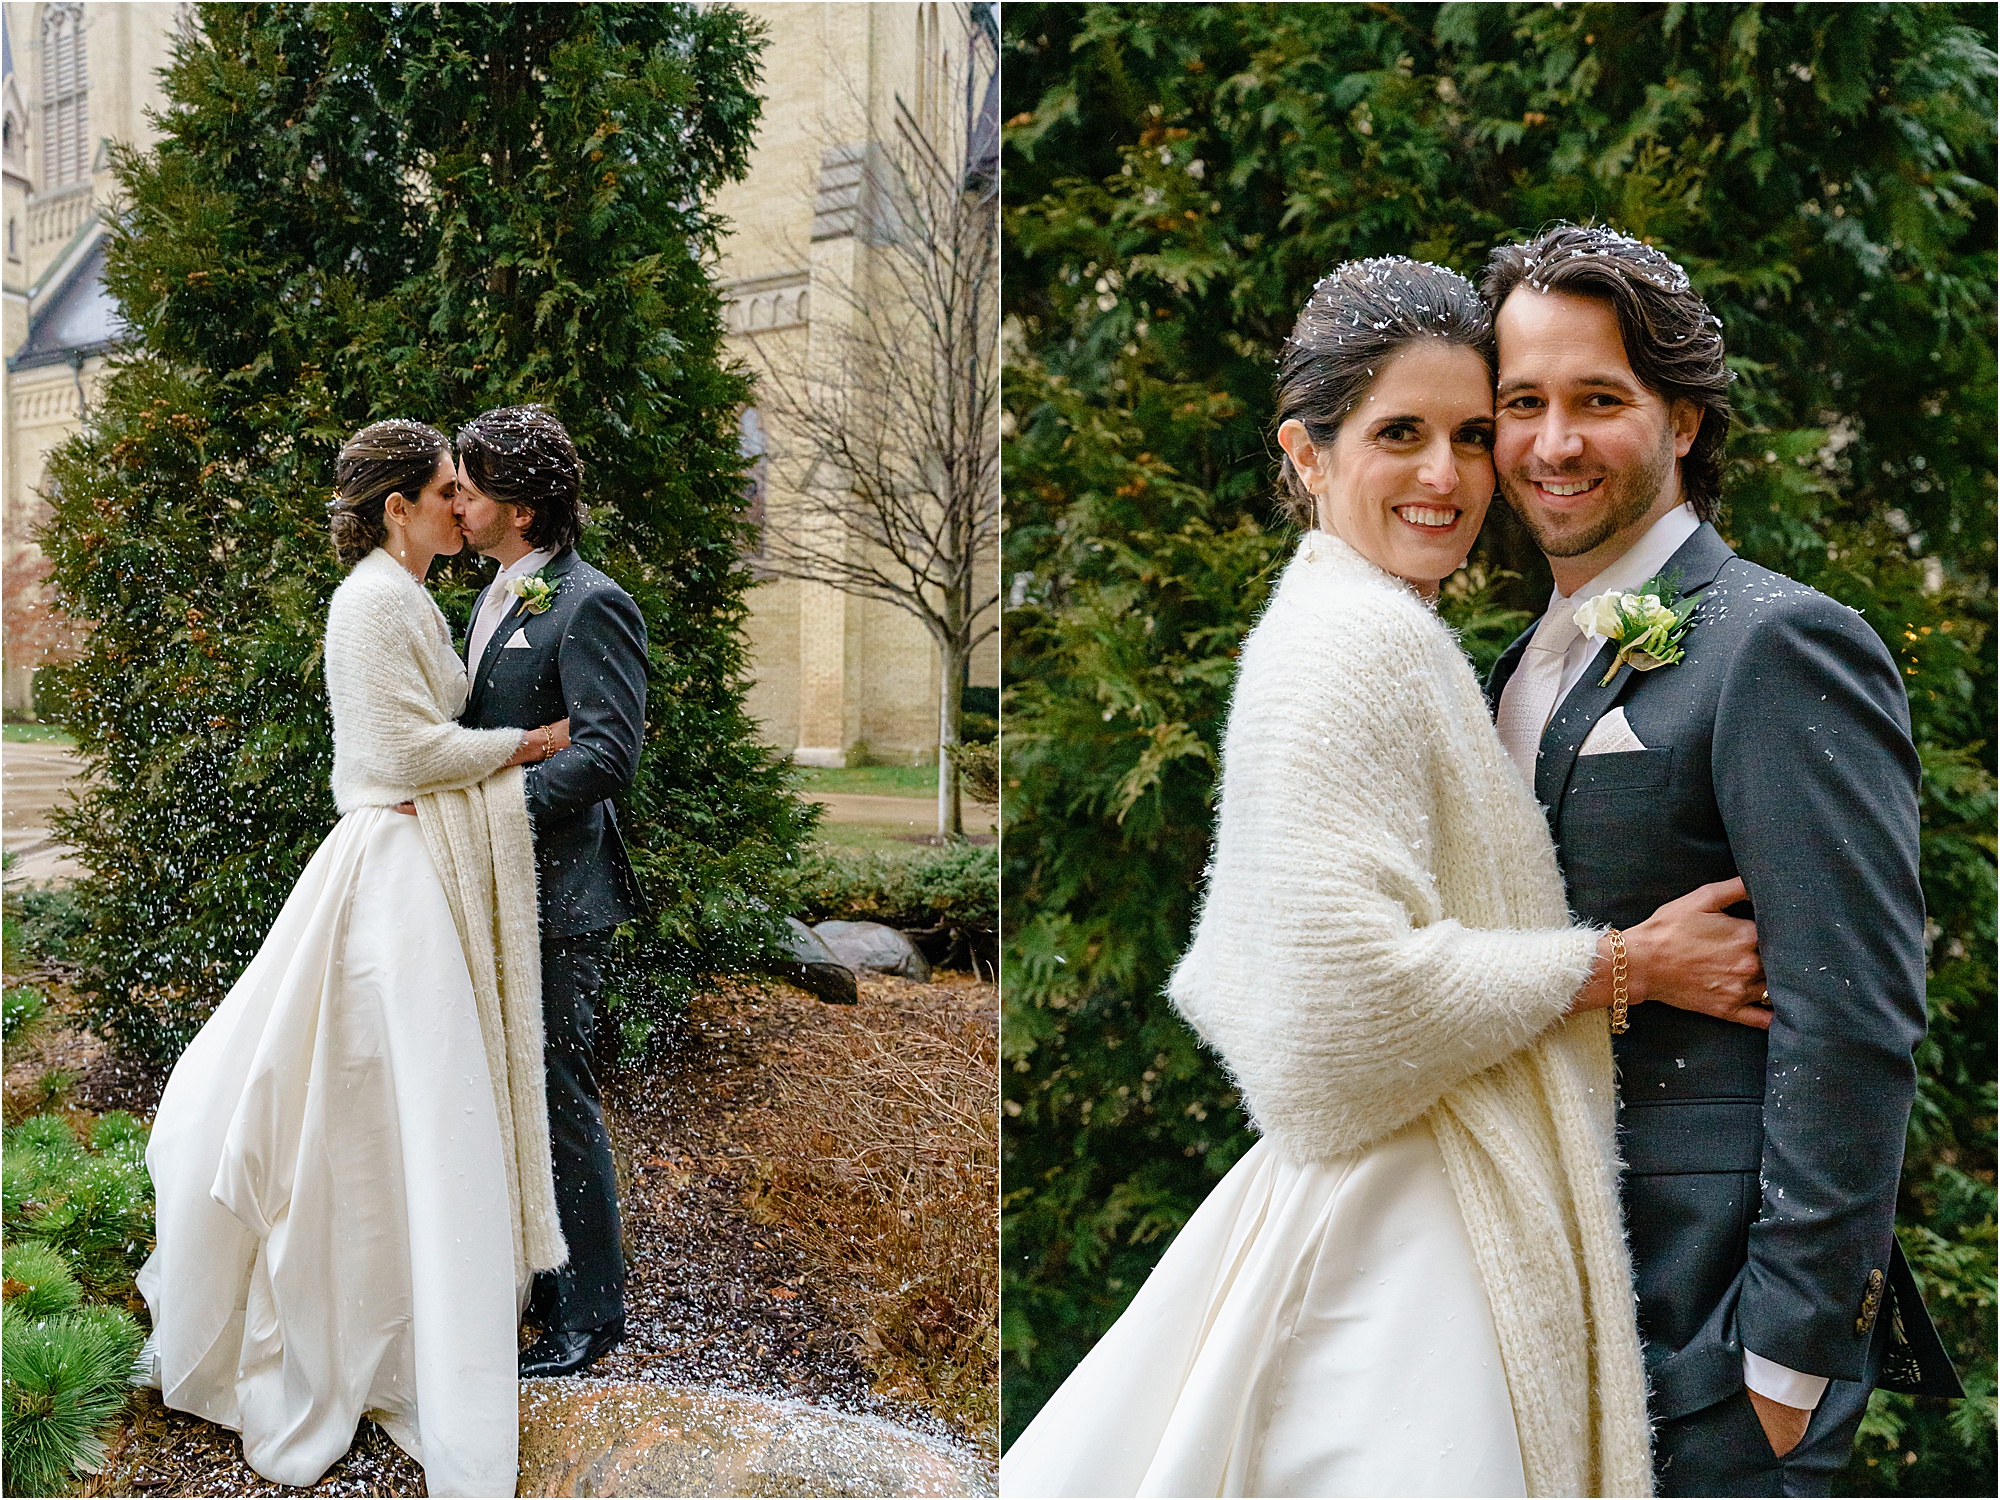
(1698, 561)
(1503, 669)
(1590, 700)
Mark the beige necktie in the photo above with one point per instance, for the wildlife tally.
(1531, 693)
(490, 615)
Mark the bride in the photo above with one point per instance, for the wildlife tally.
(351, 1159)
(1416, 1282)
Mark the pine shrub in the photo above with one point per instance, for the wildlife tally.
(66, 1378)
(38, 1281)
(19, 1008)
(94, 1208)
(355, 212)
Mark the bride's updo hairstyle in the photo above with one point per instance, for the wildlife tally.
(1357, 317)
(382, 459)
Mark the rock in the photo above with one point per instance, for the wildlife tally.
(870, 945)
(590, 1437)
(814, 967)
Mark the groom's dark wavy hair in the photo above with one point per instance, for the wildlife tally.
(521, 455)
(1358, 315)
(1672, 341)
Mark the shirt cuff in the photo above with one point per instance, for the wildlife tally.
(1776, 1383)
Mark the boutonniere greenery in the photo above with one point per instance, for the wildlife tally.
(535, 592)
(1647, 627)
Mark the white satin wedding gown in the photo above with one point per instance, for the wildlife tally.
(1314, 1329)
(334, 1228)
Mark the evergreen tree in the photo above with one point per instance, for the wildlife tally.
(356, 212)
(1177, 177)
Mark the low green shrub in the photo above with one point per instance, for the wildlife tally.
(54, 1087)
(119, 1134)
(93, 1207)
(19, 1008)
(63, 1379)
(38, 1281)
(956, 884)
(52, 922)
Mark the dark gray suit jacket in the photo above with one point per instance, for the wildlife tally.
(1762, 1168)
(585, 660)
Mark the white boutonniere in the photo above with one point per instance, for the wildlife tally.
(535, 592)
(1647, 627)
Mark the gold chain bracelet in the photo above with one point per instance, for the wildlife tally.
(549, 742)
(1619, 999)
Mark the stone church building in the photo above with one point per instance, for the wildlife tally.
(837, 679)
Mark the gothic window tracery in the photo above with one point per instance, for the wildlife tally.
(65, 97)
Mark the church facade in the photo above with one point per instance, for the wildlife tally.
(77, 76)
(837, 679)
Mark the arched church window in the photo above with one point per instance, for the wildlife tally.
(65, 97)
(751, 443)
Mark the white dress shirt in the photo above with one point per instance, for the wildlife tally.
(1647, 557)
(497, 602)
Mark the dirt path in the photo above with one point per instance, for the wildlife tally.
(907, 817)
(33, 780)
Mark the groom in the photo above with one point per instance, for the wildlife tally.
(552, 638)
(1761, 1168)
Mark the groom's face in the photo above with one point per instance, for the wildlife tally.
(489, 525)
(1587, 456)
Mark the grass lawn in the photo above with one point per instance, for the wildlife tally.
(864, 836)
(872, 781)
(34, 734)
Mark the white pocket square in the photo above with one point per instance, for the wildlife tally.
(518, 638)
(1611, 734)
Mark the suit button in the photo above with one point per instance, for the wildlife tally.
(1871, 1303)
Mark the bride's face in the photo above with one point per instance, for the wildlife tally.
(432, 525)
(1407, 479)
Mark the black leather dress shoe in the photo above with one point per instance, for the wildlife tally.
(568, 1351)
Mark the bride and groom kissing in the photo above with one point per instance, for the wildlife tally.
(385, 1149)
(1577, 1172)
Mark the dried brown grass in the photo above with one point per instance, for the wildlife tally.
(880, 1155)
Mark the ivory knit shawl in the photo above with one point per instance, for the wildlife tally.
(1384, 937)
(396, 687)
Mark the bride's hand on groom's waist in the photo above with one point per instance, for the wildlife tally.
(1689, 955)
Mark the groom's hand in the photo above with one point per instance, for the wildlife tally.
(1691, 956)
(1783, 1425)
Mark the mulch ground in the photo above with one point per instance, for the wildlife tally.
(714, 1298)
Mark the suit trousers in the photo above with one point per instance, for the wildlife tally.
(1722, 1450)
(589, 1291)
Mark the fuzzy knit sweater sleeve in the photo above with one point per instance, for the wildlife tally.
(395, 687)
(1328, 967)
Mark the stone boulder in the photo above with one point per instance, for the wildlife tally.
(815, 967)
(871, 945)
(598, 1437)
